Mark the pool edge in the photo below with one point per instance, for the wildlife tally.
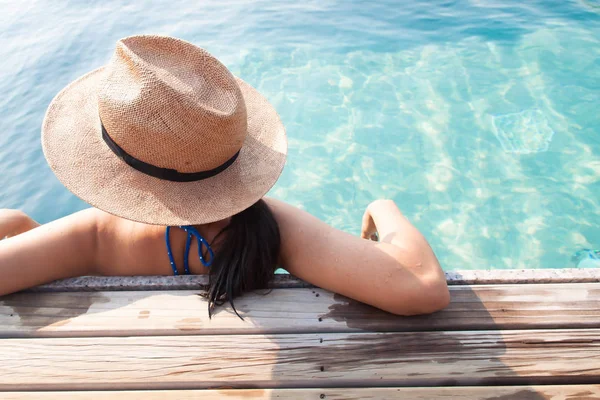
(194, 282)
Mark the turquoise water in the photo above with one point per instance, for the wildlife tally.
(480, 118)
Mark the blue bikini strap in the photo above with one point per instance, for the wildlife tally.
(191, 232)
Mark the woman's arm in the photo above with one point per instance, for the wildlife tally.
(90, 242)
(15, 222)
(400, 274)
(60, 249)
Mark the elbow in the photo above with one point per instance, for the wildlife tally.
(426, 290)
(434, 299)
(428, 304)
(436, 293)
(430, 295)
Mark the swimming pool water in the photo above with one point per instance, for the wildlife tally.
(480, 118)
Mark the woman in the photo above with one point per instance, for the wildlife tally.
(165, 136)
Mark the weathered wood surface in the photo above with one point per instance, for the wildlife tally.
(543, 306)
(571, 392)
(302, 360)
(302, 343)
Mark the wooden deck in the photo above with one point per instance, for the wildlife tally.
(524, 341)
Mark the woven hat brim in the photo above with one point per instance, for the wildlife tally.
(74, 148)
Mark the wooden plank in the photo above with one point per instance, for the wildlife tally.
(139, 313)
(574, 392)
(302, 360)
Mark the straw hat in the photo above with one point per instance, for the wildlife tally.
(164, 134)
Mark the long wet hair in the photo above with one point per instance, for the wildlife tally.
(247, 255)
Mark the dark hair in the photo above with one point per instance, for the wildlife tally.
(247, 255)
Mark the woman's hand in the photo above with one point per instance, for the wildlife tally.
(379, 212)
(368, 230)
